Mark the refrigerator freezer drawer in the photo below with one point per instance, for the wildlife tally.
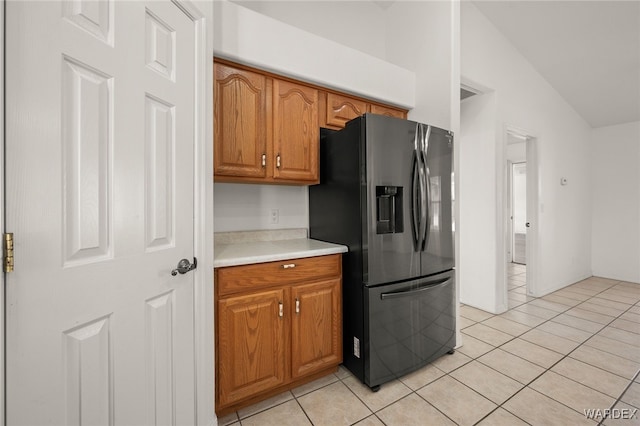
(410, 324)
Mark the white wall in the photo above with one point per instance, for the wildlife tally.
(516, 151)
(255, 39)
(615, 168)
(242, 207)
(421, 37)
(357, 24)
(478, 208)
(525, 100)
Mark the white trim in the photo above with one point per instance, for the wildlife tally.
(455, 128)
(500, 298)
(533, 233)
(2, 215)
(203, 216)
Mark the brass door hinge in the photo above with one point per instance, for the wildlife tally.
(8, 252)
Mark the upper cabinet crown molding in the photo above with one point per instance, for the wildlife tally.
(245, 36)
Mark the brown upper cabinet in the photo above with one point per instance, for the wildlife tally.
(342, 108)
(338, 108)
(267, 127)
(296, 132)
(240, 123)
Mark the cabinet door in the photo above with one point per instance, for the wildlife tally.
(240, 122)
(316, 335)
(341, 109)
(296, 132)
(251, 345)
(385, 110)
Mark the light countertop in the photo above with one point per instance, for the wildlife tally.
(241, 248)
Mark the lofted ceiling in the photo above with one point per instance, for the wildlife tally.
(589, 51)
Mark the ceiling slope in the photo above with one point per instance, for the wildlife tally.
(589, 51)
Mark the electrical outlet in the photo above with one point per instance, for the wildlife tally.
(274, 217)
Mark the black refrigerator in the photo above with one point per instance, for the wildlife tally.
(385, 191)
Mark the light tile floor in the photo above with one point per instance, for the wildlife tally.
(544, 362)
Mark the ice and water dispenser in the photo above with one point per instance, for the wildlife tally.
(389, 209)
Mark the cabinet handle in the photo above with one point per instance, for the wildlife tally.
(288, 265)
(297, 305)
(280, 309)
(264, 160)
(278, 161)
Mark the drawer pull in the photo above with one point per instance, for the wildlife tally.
(280, 309)
(288, 265)
(297, 305)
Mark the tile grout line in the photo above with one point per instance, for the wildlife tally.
(561, 359)
(622, 394)
(554, 364)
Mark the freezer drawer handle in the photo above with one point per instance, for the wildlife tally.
(405, 293)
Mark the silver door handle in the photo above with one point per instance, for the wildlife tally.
(185, 266)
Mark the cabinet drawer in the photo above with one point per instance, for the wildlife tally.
(235, 279)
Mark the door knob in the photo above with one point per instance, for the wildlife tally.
(185, 266)
(528, 225)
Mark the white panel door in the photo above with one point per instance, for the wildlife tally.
(100, 154)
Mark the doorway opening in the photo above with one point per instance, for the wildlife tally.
(519, 213)
(517, 250)
(521, 224)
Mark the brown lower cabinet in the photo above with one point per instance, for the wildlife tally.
(278, 325)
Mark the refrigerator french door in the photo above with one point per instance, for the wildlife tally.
(385, 192)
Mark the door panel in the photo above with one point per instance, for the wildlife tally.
(251, 345)
(341, 109)
(240, 122)
(100, 156)
(410, 324)
(316, 326)
(438, 254)
(389, 154)
(296, 135)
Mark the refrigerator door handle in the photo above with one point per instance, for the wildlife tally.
(415, 201)
(422, 161)
(427, 188)
(413, 291)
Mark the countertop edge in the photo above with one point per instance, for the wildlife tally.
(248, 259)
